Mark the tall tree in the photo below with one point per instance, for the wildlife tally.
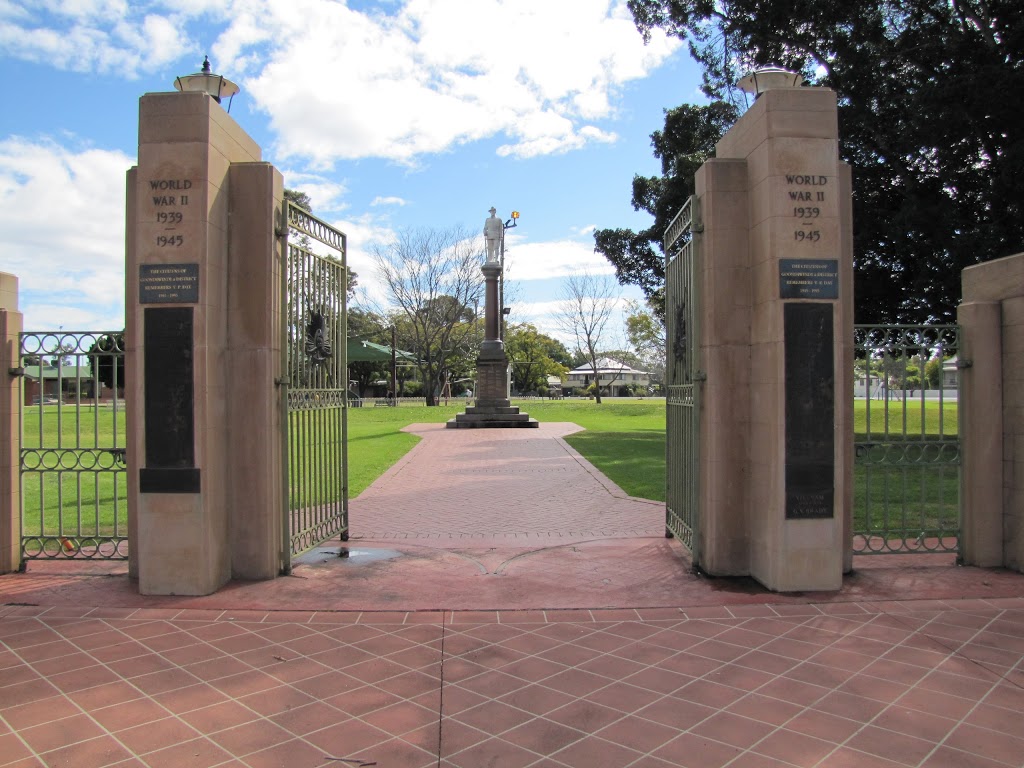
(687, 140)
(646, 334)
(588, 301)
(930, 98)
(433, 279)
(106, 360)
(530, 353)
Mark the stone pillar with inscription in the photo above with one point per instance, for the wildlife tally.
(203, 350)
(776, 346)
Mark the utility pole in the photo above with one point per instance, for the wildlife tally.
(394, 369)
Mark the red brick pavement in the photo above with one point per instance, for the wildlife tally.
(591, 645)
(499, 485)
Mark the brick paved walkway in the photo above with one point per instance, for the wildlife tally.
(500, 486)
(597, 647)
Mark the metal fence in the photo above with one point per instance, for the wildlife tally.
(683, 380)
(72, 445)
(314, 386)
(907, 439)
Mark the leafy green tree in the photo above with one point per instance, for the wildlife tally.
(433, 279)
(646, 334)
(106, 360)
(530, 353)
(930, 98)
(687, 140)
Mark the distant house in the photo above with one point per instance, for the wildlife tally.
(50, 383)
(613, 377)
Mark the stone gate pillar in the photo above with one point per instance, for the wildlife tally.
(10, 440)
(776, 345)
(203, 272)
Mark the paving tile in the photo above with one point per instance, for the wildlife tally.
(691, 751)
(198, 753)
(987, 743)
(638, 733)
(792, 747)
(61, 733)
(492, 751)
(100, 751)
(156, 735)
(730, 728)
(250, 737)
(129, 714)
(542, 736)
(824, 725)
(39, 712)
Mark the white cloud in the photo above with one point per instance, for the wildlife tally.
(388, 201)
(340, 84)
(394, 81)
(557, 258)
(104, 36)
(326, 195)
(62, 215)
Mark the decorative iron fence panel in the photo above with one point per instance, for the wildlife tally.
(683, 380)
(74, 499)
(907, 439)
(314, 386)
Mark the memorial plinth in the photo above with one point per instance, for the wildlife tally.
(493, 408)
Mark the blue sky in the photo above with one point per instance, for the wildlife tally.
(391, 115)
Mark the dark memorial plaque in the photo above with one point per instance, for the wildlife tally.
(808, 278)
(810, 410)
(168, 283)
(169, 402)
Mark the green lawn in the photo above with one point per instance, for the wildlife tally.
(625, 439)
(906, 478)
(69, 491)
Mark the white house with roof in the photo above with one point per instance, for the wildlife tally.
(615, 378)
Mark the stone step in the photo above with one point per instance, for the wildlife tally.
(494, 423)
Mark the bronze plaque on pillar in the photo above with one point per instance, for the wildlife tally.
(169, 402)
(810, 410)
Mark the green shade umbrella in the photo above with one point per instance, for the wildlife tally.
(367, 352)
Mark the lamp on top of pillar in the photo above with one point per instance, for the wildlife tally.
(769, 78)
(205, 81)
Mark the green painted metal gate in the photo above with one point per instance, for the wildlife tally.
(907, 439)
(683, 378)
(314, 385)
(74, 499)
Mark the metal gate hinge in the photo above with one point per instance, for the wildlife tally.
(964, 364)
(700, 376)
(19, 371)
(281, 381)
(697, 228)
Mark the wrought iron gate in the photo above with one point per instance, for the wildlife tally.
(74, 499)
(907, 439)
(314, 386)
(683, 378)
